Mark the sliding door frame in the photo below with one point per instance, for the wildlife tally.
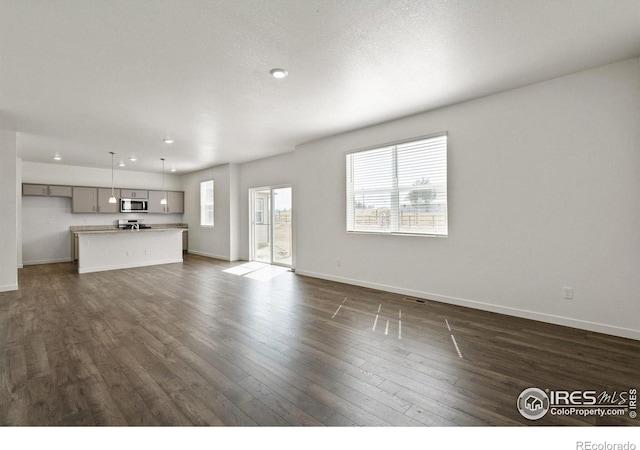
(252, 223)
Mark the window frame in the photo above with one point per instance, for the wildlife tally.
(260, 210)
(395, 208)
(204, 204)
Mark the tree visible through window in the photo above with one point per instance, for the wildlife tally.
(399, 188)
(206, 203)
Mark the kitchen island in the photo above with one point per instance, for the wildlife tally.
(113, 249)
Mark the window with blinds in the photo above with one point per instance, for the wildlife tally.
(399, 188)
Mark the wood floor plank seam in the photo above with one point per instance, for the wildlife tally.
(188, 344)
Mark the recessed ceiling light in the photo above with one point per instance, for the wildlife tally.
(57, 157)
(278, 73)
(173, 169)
(169, 141)
(133, 159)
(121, 164)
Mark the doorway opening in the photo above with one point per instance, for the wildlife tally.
(271, 219)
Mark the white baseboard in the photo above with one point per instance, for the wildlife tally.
(45, 261)
(525, 314)
(129, 266)
(9, 287)
(210, 255)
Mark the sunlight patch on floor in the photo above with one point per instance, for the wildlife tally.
(246, 268)
(268, 273)
(257, 271)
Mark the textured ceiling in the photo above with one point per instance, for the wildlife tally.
(85, 78)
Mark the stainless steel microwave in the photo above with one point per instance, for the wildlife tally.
(132, 205)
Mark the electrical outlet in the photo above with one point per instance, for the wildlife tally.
(567, 292)
(338, 262)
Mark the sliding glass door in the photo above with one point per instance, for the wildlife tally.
(282, 229)
(271, 225)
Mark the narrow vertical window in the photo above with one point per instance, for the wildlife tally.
(206, 203)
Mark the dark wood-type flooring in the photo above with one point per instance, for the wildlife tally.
(188, 344)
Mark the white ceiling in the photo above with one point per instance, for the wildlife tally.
(83, 78)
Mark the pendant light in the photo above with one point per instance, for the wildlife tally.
(112, 199)
(163, 201)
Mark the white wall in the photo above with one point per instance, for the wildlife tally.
(19, 210)
(46, 220)
(9, 216)
(229, 238)
(274, 171)
(213, 241)
(234, 212)
(543, 193)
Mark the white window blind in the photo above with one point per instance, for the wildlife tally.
(399, 188)
(206, 203)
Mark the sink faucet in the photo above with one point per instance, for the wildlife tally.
(135, 226)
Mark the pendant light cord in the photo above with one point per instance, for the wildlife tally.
(112, 194)
(163, 201)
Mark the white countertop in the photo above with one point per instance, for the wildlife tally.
(142, 230)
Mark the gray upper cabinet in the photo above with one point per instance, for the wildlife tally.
(175, 202)
(96, 200)
(103, 201)
(134, 193)
(35, 189)
(154, 202)
(60, 191)
(84, 200)
(43, 190)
